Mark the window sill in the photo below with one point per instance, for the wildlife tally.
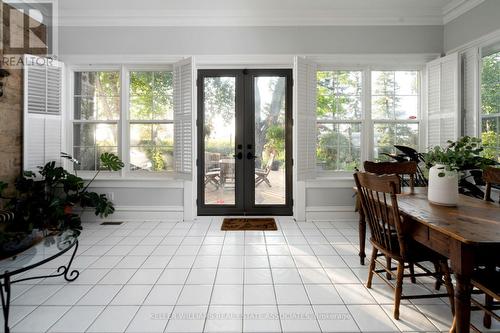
(117, 179)
(331, 181)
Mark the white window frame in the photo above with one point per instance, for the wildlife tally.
(123, 122)
(366, 121)
(417, 121)
(361, 120)
(71, 116)
(127, 121)
(478, 88)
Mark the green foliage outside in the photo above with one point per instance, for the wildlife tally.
(338, 98)
(490, 105)
(219, 109)
(386, 104)
(151, 98)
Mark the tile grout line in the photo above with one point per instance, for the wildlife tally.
(346, 305)
(154, 283)
(272, 276)
(300, 275)
(97, 283)
(187, 277)
(69, 307)
(333, 284)
(109, 303)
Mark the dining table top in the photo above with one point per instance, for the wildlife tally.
(471, 221)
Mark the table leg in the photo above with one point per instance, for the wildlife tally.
(461, 321)
(5, 295)
(462, 262)
(362, 237)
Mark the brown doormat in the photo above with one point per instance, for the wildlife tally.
(249, 224)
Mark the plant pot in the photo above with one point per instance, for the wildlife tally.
(68, 209)
(443, 186)
(18, 242)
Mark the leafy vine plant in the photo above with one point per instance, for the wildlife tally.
(463, 154)
(45, 200)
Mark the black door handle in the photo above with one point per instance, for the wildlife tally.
(239, 155)
(251, 156)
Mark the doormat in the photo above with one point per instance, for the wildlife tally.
(111, 223)
(248, 224)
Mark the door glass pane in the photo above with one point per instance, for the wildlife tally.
(270, 140)
(219, 135)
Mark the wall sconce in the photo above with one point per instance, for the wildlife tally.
(3, 79)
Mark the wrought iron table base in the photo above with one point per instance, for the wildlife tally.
(5, 284)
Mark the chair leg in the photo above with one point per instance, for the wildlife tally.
(448, 284)
(488, 302)
(389, 266)
(439, 275)
(372, 268)
(412, 272)
(267, 182)
(399, 289)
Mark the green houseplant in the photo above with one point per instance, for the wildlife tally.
(447, 168)
(45, 201)
(461, 155)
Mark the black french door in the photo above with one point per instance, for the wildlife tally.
(244, 132)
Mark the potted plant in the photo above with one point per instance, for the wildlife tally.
(44, 202)
(445, 164)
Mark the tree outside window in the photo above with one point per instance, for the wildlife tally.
(339, 114)
(490, 105)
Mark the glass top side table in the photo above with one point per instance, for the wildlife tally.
(46, 250)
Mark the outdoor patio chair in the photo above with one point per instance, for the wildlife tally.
(212, 169)
(262, 174)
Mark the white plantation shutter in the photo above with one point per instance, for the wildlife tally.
(183, 117)
(470, 96)
(43, 112)
(305, 117)
(443, 112)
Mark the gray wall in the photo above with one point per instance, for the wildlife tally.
(250, 40)
(95, 41)
(472, 25)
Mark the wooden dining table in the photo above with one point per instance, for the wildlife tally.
(468, 234)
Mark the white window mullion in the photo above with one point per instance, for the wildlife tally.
(422, 127)
(367, 125)
(123, 127)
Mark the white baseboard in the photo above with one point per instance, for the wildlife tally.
(329, 213)
(127, 213)
(176, 213)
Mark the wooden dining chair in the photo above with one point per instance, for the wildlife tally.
(389, 238)
(491, 176)
(404, 170)
(486, 280)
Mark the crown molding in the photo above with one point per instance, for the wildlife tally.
(457, 8)
(221, 18)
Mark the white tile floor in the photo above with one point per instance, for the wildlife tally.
(192, 277)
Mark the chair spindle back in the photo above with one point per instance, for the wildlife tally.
(491, 176)
(399, 168)
(379, 202)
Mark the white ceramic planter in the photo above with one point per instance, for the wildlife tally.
(443, 190)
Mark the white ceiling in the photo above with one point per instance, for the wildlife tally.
(260, 12)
